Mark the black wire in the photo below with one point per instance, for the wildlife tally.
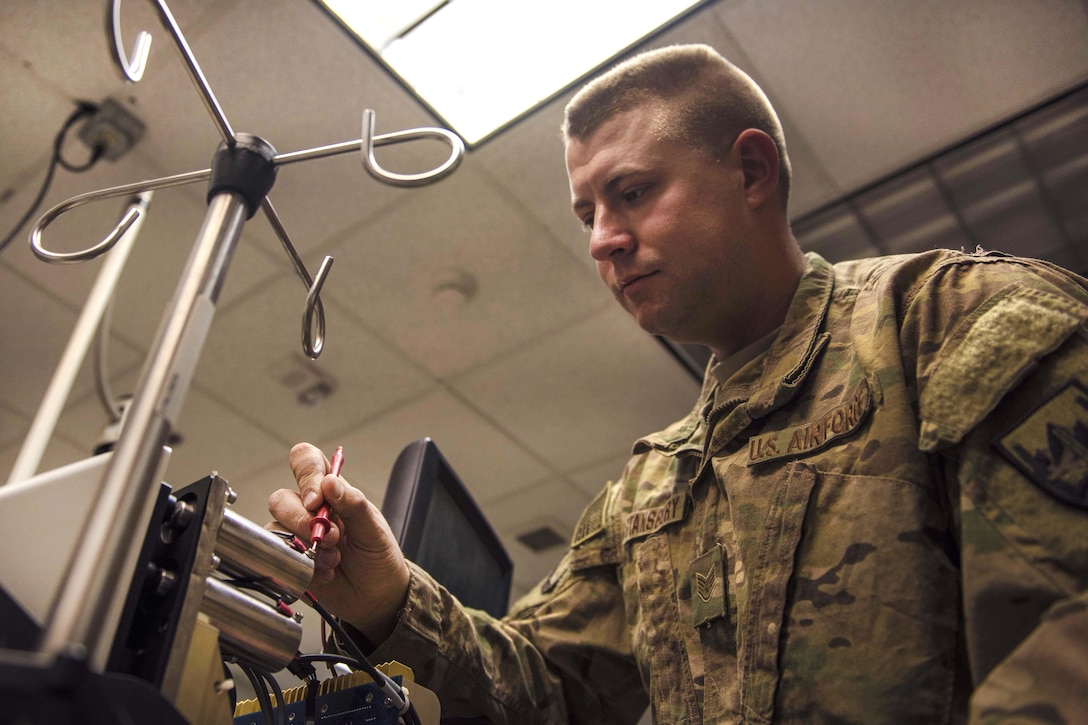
(334, 658)
(260, 688)
(331, 659)
(278, 692)
(409, 716)
(83, 108)
(348, 642)
(96, 153)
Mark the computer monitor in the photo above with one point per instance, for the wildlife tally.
(440, 528)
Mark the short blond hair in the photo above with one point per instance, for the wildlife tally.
(707, 101)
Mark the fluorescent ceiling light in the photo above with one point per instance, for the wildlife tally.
(480, 64)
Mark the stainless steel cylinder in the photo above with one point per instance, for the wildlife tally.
(250, 552)
(250, 630)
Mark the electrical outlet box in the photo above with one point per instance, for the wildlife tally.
(114, 128)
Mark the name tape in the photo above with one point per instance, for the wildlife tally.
(839, 421)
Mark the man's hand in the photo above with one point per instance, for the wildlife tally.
(360, 574)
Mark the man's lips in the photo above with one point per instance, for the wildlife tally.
(628, 280)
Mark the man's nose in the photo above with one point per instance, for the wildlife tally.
(608, 238)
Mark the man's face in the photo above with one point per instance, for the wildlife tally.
(669, 229)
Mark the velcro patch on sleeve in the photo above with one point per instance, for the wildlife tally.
(988, 354)
(593, 543)
(1050, 446)
(592, 521)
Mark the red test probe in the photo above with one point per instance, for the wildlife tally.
(319, 526)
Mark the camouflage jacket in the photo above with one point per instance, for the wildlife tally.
(881, 519)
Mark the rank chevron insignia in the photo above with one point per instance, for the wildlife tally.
(704, 584)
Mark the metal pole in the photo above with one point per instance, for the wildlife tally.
(88, 606)
(41, 430)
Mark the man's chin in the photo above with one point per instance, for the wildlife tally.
(649, 322)
(654, 320)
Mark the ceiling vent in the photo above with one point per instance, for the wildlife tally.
(307, 382)
(542, 538)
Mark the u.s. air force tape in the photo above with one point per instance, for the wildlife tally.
(837, 422)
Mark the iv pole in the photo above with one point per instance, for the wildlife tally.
(84, 619)
(30, 455)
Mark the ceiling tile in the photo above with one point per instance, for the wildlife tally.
(255, 345)
(575, 401)
(395, 275)
(77, 229)
(12, 427)
(57, 453)
(212, 438)
(489, 462)
(911, 214)
(48, 35)
(528, 161)
(592, 478)
(34, 332)
(34, 112)
(836, 234)
(873, 86)
(553, 503)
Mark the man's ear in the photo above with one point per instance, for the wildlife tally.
(758, 158)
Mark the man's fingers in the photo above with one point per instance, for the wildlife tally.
(286, 508)
(309, 465)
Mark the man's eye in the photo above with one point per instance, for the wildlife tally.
(587, 222)
(634, 194)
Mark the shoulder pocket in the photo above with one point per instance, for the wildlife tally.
(988, 354)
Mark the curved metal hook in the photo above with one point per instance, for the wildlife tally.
(132, 70)
(312, 346)
(126, 221)
(366, 148)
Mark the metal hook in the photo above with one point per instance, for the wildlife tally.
(457, 150)
(126, 221)
(312, 345)
(132, 70)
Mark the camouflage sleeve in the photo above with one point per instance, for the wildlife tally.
(562, 655)
(1003, 403)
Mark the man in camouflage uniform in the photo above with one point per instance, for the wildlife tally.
(875, 512)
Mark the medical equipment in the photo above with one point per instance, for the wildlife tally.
(90, 608)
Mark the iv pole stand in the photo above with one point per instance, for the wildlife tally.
(82, 624)
(67, 676)
(89, 602)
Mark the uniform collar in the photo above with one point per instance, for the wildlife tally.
(800, 340)
(785, 364)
